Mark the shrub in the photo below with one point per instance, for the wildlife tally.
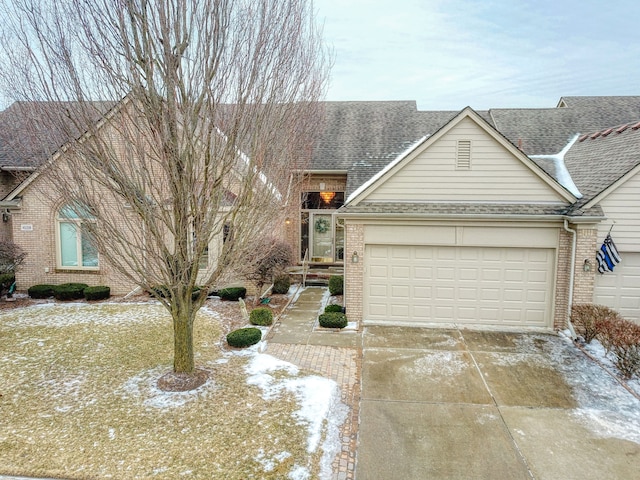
(281, 284)
(12, 257)
(333, 308)
(70, 291)
(587, 318)
(336, 284)
(244, 337)
(270, 256)
(6, 280)
(333, 320)
(232, 293)
(41, 291)
(261, 316)
(99, 292)
(622, 338)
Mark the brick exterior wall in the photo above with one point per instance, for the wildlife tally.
(34, 229)
(583, 281)
(354, 272)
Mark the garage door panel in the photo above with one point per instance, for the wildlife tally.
(422, 292)
(470, 285)
(400, 272)
(379, 271)
(423, 273)
(620, 289)
(378, 291)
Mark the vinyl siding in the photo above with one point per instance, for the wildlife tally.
(494, 173)
(621, 207)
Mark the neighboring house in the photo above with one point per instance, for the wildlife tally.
(472, 218)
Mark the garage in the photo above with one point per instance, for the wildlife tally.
(620, 289)
(471, 285)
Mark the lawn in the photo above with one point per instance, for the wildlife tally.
(78, 400)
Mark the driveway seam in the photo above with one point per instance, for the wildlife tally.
(504, 422)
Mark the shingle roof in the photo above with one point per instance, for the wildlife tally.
(363, 137)
(31, 131)
(493, 210)
(600, 158)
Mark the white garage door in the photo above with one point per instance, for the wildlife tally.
(620, 289)
(467, 285)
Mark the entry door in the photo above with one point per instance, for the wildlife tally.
(321, 238)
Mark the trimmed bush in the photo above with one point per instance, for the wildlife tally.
(232, 293)
(99, 292)
(333, 308)
(333, 320)
(261, 316)
(587, 318)
(244, 337)
(622, 339)
(41, 291)
(281, 284)
(70, 291)
(336, 284)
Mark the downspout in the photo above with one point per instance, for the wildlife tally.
(574, 246)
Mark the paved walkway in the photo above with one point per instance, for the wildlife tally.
(455, 403)
(298, 339)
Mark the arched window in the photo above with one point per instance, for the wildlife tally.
(76, 249)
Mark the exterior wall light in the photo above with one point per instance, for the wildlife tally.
(355, 258)
(587, 265)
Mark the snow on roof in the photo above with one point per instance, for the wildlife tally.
(562, 174)
(382, 172)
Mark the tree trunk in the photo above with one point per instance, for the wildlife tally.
(183, 357)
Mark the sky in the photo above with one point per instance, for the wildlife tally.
(449, 54)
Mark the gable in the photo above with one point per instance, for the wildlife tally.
(466, 163)
(621, 208)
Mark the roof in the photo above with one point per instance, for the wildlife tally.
(460, 209)
(30, 132)
(362, 138)
(600, 158)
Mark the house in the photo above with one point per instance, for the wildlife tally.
(474, 218)
(480, 218)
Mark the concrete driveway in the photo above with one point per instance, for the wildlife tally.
(461, 404)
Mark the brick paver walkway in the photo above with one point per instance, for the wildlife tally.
(342, 364)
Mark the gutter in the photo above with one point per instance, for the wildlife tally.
(423, 216)
(574, 245)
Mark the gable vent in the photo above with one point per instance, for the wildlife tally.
(463, 155)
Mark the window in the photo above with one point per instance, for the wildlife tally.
(76, 248)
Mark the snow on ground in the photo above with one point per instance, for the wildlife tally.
(604, 405)
(319, 409)
(320, 406)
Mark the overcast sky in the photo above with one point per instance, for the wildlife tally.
(448, 54)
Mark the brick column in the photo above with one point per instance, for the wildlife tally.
(354, 272)
(585, 250)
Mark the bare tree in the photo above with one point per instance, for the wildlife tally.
(185, 120)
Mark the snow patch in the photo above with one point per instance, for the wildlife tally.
(320, 407)
(143, 387)
(441, 364)
(562, 174)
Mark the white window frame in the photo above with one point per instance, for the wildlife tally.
(77, 222)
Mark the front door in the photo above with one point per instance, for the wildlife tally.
(321, 238)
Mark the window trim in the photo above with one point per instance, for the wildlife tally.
(78, 224)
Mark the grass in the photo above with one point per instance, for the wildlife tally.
(79, 401)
